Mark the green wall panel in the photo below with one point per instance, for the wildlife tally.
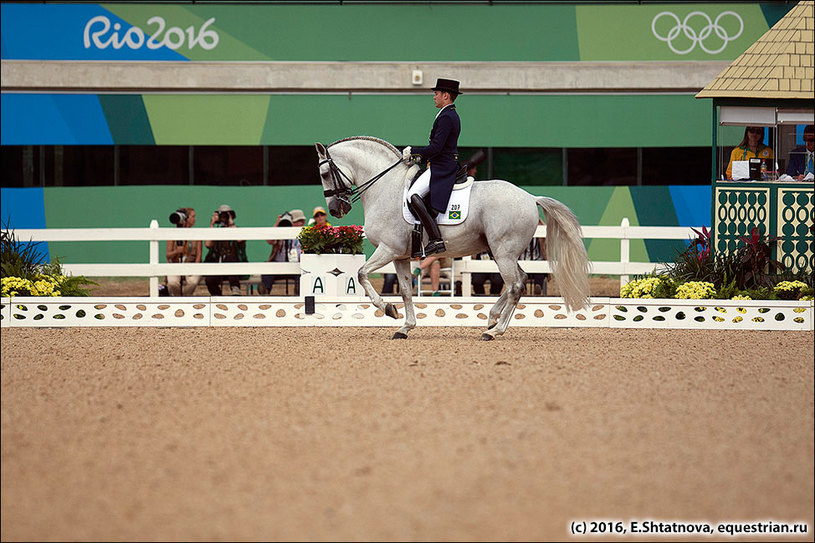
(390, 32)
(497, 121)
(206, 119)
(127, 119)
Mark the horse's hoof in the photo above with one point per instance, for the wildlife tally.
(399, 335)
(486, 337)
(491, 326)
(390, 310)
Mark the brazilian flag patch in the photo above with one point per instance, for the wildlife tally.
(453, 215)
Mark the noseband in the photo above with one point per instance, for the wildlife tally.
(348, 192)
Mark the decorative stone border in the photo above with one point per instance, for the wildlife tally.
(358, 311)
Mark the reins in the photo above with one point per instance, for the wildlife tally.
(341, 189)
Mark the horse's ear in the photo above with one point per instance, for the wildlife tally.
(320, 149)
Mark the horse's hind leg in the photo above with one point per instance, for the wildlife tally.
(497, 308)
(514, 278)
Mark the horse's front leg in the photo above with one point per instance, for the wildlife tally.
(406, 289)
(381, 256)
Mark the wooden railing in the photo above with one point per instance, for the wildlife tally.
(155, 269)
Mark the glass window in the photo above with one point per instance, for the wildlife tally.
(293, 165)
(154, 165)
(227, 165)
(602, 166)
(530, 166)
(18, 166)
(676, 166)
(746, 152)
(796, 142)
(81, 165)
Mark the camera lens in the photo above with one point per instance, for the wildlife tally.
(177, 217)
(223, 216)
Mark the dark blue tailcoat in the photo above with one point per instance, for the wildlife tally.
(798, 158)
(441, 155)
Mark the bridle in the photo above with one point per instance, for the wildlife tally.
(348, 192)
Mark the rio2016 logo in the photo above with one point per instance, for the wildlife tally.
(97, 29)
(697, 29)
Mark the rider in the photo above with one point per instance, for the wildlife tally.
(442, 155)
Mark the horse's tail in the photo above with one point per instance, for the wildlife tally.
(566, 252)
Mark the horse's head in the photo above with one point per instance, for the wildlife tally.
(337, 187)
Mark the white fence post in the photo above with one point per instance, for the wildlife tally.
(154, 260)
(466, 278)
(625, 250)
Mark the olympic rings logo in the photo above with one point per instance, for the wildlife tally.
(695, 38)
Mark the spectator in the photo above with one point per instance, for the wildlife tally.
(284, 250)
(432, 265)
(389, 283)
(801, 158)
(495, 279)
(224, 251)
(318, 217)
(183, 251)
(751, 146)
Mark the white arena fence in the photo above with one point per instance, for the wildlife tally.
(154, 236)
(357, 310)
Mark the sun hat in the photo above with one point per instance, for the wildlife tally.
(227, 209)
(318, 209)
(297, 215)
(447, 85)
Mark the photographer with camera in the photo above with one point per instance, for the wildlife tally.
(183, 251)
(284, 250)
(224, 251)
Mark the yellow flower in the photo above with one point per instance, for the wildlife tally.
(640, 288)
(43, 285)
(695, 290)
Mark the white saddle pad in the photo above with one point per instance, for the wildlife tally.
(457, 208)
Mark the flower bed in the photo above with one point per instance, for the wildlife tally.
(748, 273)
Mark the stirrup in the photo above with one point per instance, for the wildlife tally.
(434, 246)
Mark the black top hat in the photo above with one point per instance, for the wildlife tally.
(446, 85)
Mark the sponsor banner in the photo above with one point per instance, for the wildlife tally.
(403, 32)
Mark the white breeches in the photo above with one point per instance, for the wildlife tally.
(190, 283)
(421, 186)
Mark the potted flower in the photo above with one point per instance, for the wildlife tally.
(331, 258)
(320, 240)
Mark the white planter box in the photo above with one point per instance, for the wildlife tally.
(330, 276)
(533, 311)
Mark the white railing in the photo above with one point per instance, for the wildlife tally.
(155, 269)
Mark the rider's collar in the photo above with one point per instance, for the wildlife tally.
(445, 107)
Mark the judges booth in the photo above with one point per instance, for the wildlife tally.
(764, 185)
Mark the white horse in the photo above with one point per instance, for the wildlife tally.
(502, 218)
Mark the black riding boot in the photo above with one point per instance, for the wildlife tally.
(435, 243)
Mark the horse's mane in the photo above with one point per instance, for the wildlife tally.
(369, 138)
